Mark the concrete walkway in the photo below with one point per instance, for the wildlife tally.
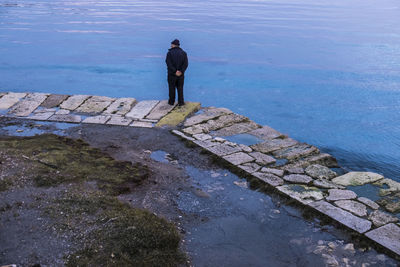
(297, 170)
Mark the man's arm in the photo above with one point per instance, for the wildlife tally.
(185, 63)
(168, 61)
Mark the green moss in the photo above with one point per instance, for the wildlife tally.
(61, 159)
(121, 235)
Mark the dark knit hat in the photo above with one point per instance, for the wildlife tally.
(176, 42)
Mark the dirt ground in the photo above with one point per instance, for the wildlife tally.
(50, 218)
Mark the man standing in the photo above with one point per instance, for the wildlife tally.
(177, 63)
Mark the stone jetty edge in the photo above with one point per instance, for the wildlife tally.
(296, 170)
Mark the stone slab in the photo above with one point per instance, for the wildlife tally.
(237, 128)
(42, 116)
(95, 104)
(388, 236)
(62, 112)
(100, 119)
(266, 133)
(223, 150)
(73, 102)
(10, 99)
(141, 109)
(179, 114)
(206, 143)
(301, 193)
(353, 206)
(276, 172)
(208, 114)
(250, 167)
(238, 158)
(142, 124)
(296, 151)
(53, 100)
(389, 186)
(320, 172)
(344, 217)
(262, 158)
(357, 178)
(368, 202)
(66, 118)
(269, 178)
(27, 105)
(324, 183)
(118, 120)
(273, 145)
(160, 110)
(184, 136)
(298, 178)
(339, 194)
(323, 159)
(380, 218)
(120, 106)
(202, 137)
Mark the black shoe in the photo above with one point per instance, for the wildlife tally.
(170, 103)
(181, 104)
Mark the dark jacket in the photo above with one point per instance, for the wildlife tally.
(176, 60)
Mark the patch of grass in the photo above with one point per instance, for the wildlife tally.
(120, 235)
(5, 184)
(60, 159)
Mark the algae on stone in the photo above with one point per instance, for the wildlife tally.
(357, 178)
(179, 114)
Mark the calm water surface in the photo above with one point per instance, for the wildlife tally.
(325, 72)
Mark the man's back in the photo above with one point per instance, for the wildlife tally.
(176, 60)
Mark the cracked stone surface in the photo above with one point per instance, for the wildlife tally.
(344, 217)
(224, 121)
(296, 151)
(100, 119)
(297, 178)
(119, 120)
(262, 158)
(250, 167)
(368, 202)
(238, 158)
(95, 104)
(141, 109)
(160, 110)
(388, 236)
(357, 178)
(339, 194)
(353, 206)
(73, 102)
(269, 178)
(42, 116)
(142, 124)
(53, 100)
(380, 218)
(274, 144)
(208, 114)
(223, 150)
(302, 193)
(120, 106)
(202, 137)
(62, 112)
(66, 118)
(320, 172)
(266, 133)
(10, 99)
(27, 105)
(237, 128)
(276, 172)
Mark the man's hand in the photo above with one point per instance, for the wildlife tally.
(178, 73)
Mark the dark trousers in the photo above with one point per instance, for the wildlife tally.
(175, 82)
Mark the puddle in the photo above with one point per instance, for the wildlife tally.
(245, 139)
(242, 227)
(36, 128)
(160, 156)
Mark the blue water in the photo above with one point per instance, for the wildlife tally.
(324, 72)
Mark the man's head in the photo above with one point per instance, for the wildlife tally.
(175, 43)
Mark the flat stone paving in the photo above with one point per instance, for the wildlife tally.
(296, 170)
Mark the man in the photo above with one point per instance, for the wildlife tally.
(177, 63)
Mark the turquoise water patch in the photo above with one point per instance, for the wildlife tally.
(159, 155)
(245, 139)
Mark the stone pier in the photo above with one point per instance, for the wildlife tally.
(296, 170)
